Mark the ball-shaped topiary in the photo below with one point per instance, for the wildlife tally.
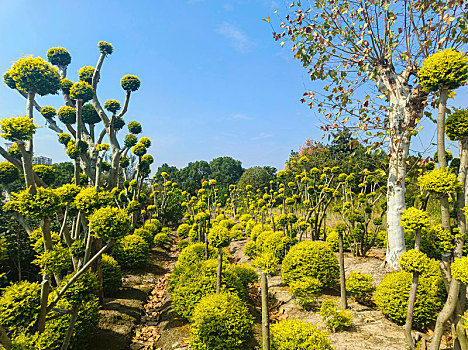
(8, 173)
(139, 149)
(130, 83)
(124, 162)
(8, 80)
(146, 234)
(220, 321)
(130, 140)
(162, 239)
(35, 75)
(17, 128)
(83, 287)
(183, 230)
(45, 172)
(459, 269)
(67, 115)
(119, 123)
(276, 242)
(48, 112)
(19, 305)
(145, 142)
(456, 125)
(313, 259)
(89, 114)
(111, 275)
(89, 200)
(219, 236)
(131, 251)
(65, 85)
(147, 158)
(109, 223)
(299, 335)
(58, 56)
(391, 297)
(81, 91)
(134, 127)
(153, 225)
(105, 47)
(444, 69)
(193, 254)
(86, 74)
(360, 286)
(44, 202)
(414, 261)
(439, 181)
(414, 219)
(112, 105)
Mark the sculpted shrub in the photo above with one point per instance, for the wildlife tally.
(111, 275)
(360, 286)
(298, 335)
(193, 254)
(110, 223)
(162, 239)
(183, 230)
(131, 251)
(277, 242)
(311, 259)
(220, 321)
(145, 234)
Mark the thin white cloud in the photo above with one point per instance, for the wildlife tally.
(240, 116)
(228, 7)
(262, 136)
(238, 39)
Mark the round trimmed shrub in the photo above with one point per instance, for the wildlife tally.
(130, 83)
(220, 321)
(183, 230)
(111, 275)
(188, 285)
(58, 56)
(67, 115)
(146, 234)
(8, 173)
(19, 305)
(112, 105)
(245, 272)
(195, 253)
(311, 259)
(298, 335)
(162, 239)
(89, 114)
(81, 91)
(131, 251)
(277, 242)
(45, 172)
(250, 249)
(391, 297)
(360, 286)
(109, 222)
(86, 74)
(105, 47)
(153, 225)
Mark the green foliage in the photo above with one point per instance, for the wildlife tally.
(162, 239)
(139, 149)
(17, 128)
(439, 181)
(193, 254)
(118, 123)
(245, 272)
(133, 206)
(257, 177)
(19, 305)
(188, 285)
(105, 47)
(83, 287)
(414, 219)
(81, 91)
(112, 105)
(391, 297)
(45, 172)
(35, 75)
(183, 230)
(311, 259)
(276, 242)
(78, 248)
(220, 322)
(146, 234)
(64, 138)
(456, 125)
(8, 80)
(68, 192)
(130, 83)
(131, 251)
(459, 269)
(266, 261)
(86, 74)
(65, 85)
(111, 275)
(250, 249)
(335, 317)
(360, 286)
(134, 127)
(109, 223)
(89, 114)
(54, 260)
(306, 290)
(8, 173)
(48, 112)
(67, 115)
(89, 200)
(130, 140)
(15, 152)
(414, 261)
(219, 236)
(44, 203)
(299, 335)
(226, 170)
(58, 56)
(444, 69)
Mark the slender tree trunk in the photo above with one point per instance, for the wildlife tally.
(410, 311)
(71, 326)
(265, 314)
(344, 302)
(220, 270)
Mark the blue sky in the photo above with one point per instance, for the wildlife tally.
(213, 80)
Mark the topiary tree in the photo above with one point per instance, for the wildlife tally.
(219, 237)
(220, 321)
(131, 251)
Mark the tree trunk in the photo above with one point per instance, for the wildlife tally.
(220, 270)
(265, 315)
(344, 302)
(410, 310)
(71, 326)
